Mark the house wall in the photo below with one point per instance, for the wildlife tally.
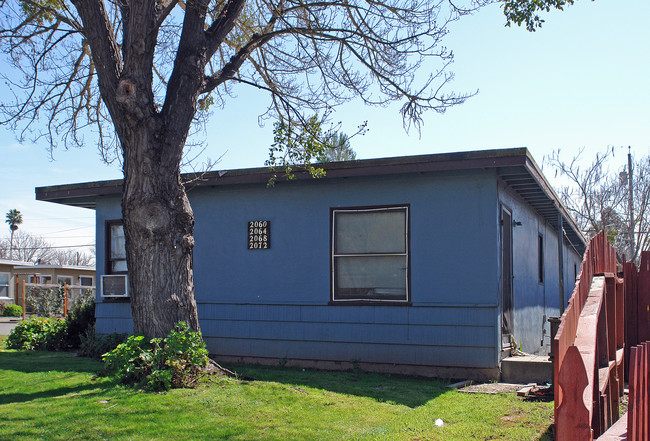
(7, 270)
(534, 302)
(275, 303)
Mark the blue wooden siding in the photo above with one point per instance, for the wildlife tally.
(274, 303)
(534, 302)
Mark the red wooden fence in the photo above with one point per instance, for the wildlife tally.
(637, 303)
(605, 315)
(638, 414)
(589, 348)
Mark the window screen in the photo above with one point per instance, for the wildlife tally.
(370, 254)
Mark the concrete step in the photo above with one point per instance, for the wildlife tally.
(527, 369)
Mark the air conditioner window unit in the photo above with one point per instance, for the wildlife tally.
(115, 285)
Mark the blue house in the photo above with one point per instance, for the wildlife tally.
(430, 265)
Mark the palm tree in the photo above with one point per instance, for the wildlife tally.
(14, 218)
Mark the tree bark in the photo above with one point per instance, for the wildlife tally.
(159, 228)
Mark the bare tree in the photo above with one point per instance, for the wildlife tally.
(142, 72)
(26, 248)
(599, 199)
(36, 249)
(68, 256)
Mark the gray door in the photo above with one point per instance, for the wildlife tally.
(507, 325)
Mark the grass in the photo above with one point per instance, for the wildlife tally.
(55, 396)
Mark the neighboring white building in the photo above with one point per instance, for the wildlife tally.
(7, 279)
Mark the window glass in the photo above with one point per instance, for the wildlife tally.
(371, 232)
(85, 280)
(382, 277)
(4, 284)
(39, 278)
(370, 254)
(118, 248)
(64, 279)
(116, 253)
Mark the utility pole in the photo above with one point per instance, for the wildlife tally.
(560, 257)
(630, 202)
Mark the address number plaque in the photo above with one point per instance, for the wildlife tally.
(259, 235)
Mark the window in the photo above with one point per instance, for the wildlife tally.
(64, 279)
(86, 280)
(4, 284)
(540, 258)
(370, 254)
(115, 248)
(40, 279)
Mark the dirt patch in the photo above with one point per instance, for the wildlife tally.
(491, 388)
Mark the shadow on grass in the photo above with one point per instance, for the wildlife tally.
(407, 391)
(35, 362)
(549, 434)
(44, 361)
(60, 392)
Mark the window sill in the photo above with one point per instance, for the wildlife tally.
(368, 303)
(115, 299)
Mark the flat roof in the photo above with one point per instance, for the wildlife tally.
(515, 166)
(29, 267)
(12, 262)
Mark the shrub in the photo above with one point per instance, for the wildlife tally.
(12, 311)
(38, 333)
(95, 345)
(80, 318)
(45, 302)
(159, 364)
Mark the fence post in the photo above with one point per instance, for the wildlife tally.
(24, 308)
(65, 299)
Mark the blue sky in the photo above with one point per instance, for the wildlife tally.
(580, 82)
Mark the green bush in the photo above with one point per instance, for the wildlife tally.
(159, 364)
(93, 345)
(38, 333)
(12, 311)
(80, 318)
(45, 302)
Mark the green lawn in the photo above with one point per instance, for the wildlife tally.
(55, 396)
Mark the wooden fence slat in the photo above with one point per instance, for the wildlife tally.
(643, 298)
(645, 388)
(632, 405)
(572, 422)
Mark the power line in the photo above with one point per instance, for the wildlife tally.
(51, 247)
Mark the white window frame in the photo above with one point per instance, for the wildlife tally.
(334, 255)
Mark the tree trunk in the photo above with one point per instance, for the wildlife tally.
(11, 245)
(159, 228)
